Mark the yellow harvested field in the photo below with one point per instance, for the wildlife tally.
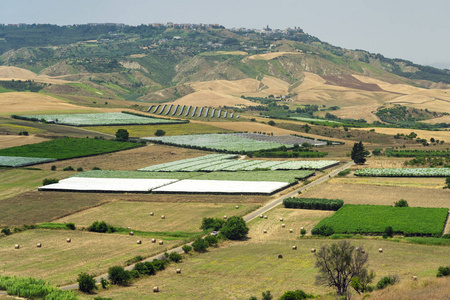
(365, 112)
(23, 102)
(439, 135)
(232, 87)
(60, 262)
(211, 99)
(249, 126)
(186, 217)
(275, 86)
(9, 73)
(443, 119)
(310, 80)
(269, 56)
(380, 194)
(7, 141)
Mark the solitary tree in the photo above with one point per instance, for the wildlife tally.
(86, 282)
(358, 153)
(122, 135)
(338, 263)
(235, 228)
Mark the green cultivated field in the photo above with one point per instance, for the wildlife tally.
(282, 176)
(375, 218)
(68, 148)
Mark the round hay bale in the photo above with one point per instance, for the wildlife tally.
(363, 251)
(225, 217)
(313, 250)
(281, 219)
(39, 245)
(139, 242)
(283, 225)
(155, 289)
(178, 271)
(301, 228)
(161, 242)
(357, 248)
(153, 240)
(280, 255)
(131, 233)
(128, 227)
(265, 231)
(261, 216)
(163, 217)
(414, 278)
(380, 250)
(291, 230)
(237, 206)
(16, 246)
(265, 217)
(294, 247)
(152, 214)
(68, 240)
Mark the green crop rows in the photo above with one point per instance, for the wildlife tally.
(374, 219)
(67, 148)
(99, 119)
(404, 172)
(17, 161)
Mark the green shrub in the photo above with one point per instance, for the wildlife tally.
(212, 240)
(313, 203)
(401, 203)
(104, 283)
(325, 230)
(385, 281)
(86, 282)
(122, 135)
(53, 168)
(101, 227)
(186, 248)
(79, 169)
(96, 169)
(118, 275)
(235, 228)
(295, 295)
(200, 245)
(212, 224)
(388, 232)
(102, 298)
(159, 264)
(145, 268)
(69, 168)
(443, 271)
(6, 231)
(48, 181)
(175, 257)
(303, 232)
(344, 172)
(160, 132)
(70, 226)
(134, 260)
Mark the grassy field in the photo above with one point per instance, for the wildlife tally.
(185, 217)
(90, 252)
(149, 130)
(16, 181)
(238, 270)
(67, 148)
(366, 219)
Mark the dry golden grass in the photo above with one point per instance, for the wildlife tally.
(9, 73)
(383, 162)
(275, 86)
(249, 126)
(365, 112)
(443, 119)
(269, 56)
(185, 217)
(228, 87)
(60, 262)
(23, 102)
(376, 193)
(7, 141)
(211, 99)
(429, 288)
(438, 135)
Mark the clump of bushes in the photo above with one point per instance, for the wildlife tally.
(186, 248)
(401, 203)
(313, 203)
(344, 172)
(175, 257)
(69, 168)
(48, 181)
(101, 227)
(235, 228)
(443, 271)
(212, 224)
(295, 295)
(200, 245)
(86, 282)
(387, 280)
(325, 230)
(118, 275)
